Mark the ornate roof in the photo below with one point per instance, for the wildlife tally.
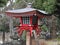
(24, 10)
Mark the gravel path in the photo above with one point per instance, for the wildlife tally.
(49, 42)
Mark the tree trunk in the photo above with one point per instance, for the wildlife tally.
(53, 27)
(3, 37)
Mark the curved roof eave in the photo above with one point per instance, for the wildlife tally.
(24, 10)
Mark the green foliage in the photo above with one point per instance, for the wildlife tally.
(3, 3)
(44, 28)
(24, 35)
(47, 5)
(58, 8)
(57, 12)
(58, 24)
(16, 22)
(4, 25)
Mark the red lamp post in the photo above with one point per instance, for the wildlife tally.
(28, 18)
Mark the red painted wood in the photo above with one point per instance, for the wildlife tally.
(31, 20)
(27, 27)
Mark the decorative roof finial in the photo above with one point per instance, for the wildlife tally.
(29, 4)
